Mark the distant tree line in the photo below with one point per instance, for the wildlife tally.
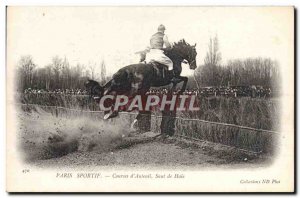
(252, 71)
(237, 72)
(59, 74)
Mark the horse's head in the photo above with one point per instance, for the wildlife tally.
(94, 89)
(192, 57)
(187, 52)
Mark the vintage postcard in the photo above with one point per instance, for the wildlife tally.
(150, 99)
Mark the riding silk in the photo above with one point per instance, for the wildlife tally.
(156, 53)
(157, 40)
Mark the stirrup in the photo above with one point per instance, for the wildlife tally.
(175, 80)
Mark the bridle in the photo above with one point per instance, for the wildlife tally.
(191, 63)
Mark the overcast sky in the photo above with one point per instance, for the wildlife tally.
(89, 34)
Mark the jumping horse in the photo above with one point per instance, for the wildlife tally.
(138, 78)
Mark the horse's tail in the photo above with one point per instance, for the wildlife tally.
(94, 88)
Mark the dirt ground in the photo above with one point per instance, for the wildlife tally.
(50, 142)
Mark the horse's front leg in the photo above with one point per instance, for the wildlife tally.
(180, 79)
(185, 80)
(173, 87)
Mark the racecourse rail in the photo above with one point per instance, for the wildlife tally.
(244, 138)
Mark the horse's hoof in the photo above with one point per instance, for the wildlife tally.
(106, 116)
(157, 136)
(133, 125)
(110, 115)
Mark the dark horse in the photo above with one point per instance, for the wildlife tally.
(138, 78)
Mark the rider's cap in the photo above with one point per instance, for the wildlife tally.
(161, 27)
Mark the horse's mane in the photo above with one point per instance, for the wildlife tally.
(181, 43)
(181, 46)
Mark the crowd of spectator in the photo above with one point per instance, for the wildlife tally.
(57, 91)
(237, 91)
(159, 91)
(231, 91)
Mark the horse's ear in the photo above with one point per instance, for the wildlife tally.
(195, 44)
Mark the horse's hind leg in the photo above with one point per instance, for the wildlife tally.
(108, 91)
(112, 113)
(142, 122)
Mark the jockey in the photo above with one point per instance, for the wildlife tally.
(156, 54)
